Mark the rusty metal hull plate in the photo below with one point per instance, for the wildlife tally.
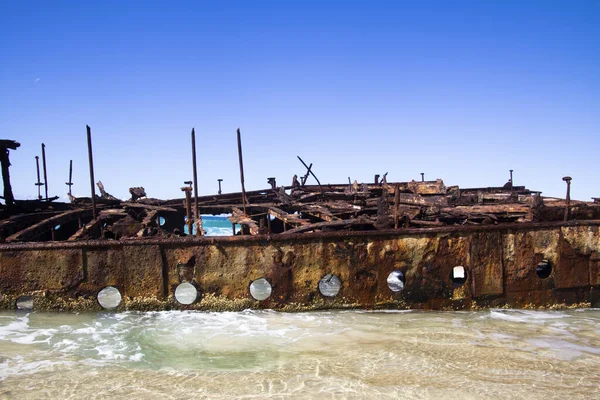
(499, 264)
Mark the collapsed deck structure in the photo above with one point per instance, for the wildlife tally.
(417, 244)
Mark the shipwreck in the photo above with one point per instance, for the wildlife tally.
(397, 245)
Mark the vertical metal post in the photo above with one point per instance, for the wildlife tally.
(220, 180)
(91, 159)
(422, 176)
(511, 179)
(396, 204)
(188, 209)
(239, 141)
(45, 175)
(197, 221)
(70, 183)
(39, 183)
(568, 199)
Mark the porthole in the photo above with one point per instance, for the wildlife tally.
(395, 281)
(543, 269)
(458, 275)
(24, 303)
(330, 285)
(260, 289)
(186, 293)
(109, 297)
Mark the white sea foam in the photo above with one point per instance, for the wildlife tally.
(562, 349)
(526, 316)
(14, 327)
(18, 366)
(218, 231)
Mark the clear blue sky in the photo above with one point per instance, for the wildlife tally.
(463, 91)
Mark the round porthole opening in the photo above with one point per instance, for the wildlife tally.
(395, 281)
(24, 303)
(458, 275)
(543, 269)
(260, 289)
(330, 285)
(109, 297)
(186, 293)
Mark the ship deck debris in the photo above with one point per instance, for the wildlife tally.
(288, 210)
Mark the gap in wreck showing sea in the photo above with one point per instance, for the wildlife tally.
(215, 225)
(492, 354)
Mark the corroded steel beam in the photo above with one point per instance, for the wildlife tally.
(91, 163)
(19, 222)
(45, 173)
(31, 232)
(292, 219)
(224, 240)
(5, 145)
(95, 225)
(240, 217)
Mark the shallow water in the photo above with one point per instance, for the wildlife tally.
(503, 354)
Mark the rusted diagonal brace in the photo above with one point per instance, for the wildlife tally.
(305, 177)
(309, 169)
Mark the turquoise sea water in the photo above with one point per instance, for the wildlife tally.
(215, 226)
(492, 354)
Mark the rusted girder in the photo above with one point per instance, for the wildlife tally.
(340, 224)
(305, 177)
(148, 206)
(188, 208)
(436, 187)
(292, 219)
(309, 170)
(91, 163)
(568, 197)
(197, 218)
(5, 145)
(318, 211)
(92, 228)
(39, 183)
(45, 174)
(239, 217)
(70, 183)
(149, 220)
(31, 232)
(241, 158)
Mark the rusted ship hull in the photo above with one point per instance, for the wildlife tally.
(500, 264)
(300, 247)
